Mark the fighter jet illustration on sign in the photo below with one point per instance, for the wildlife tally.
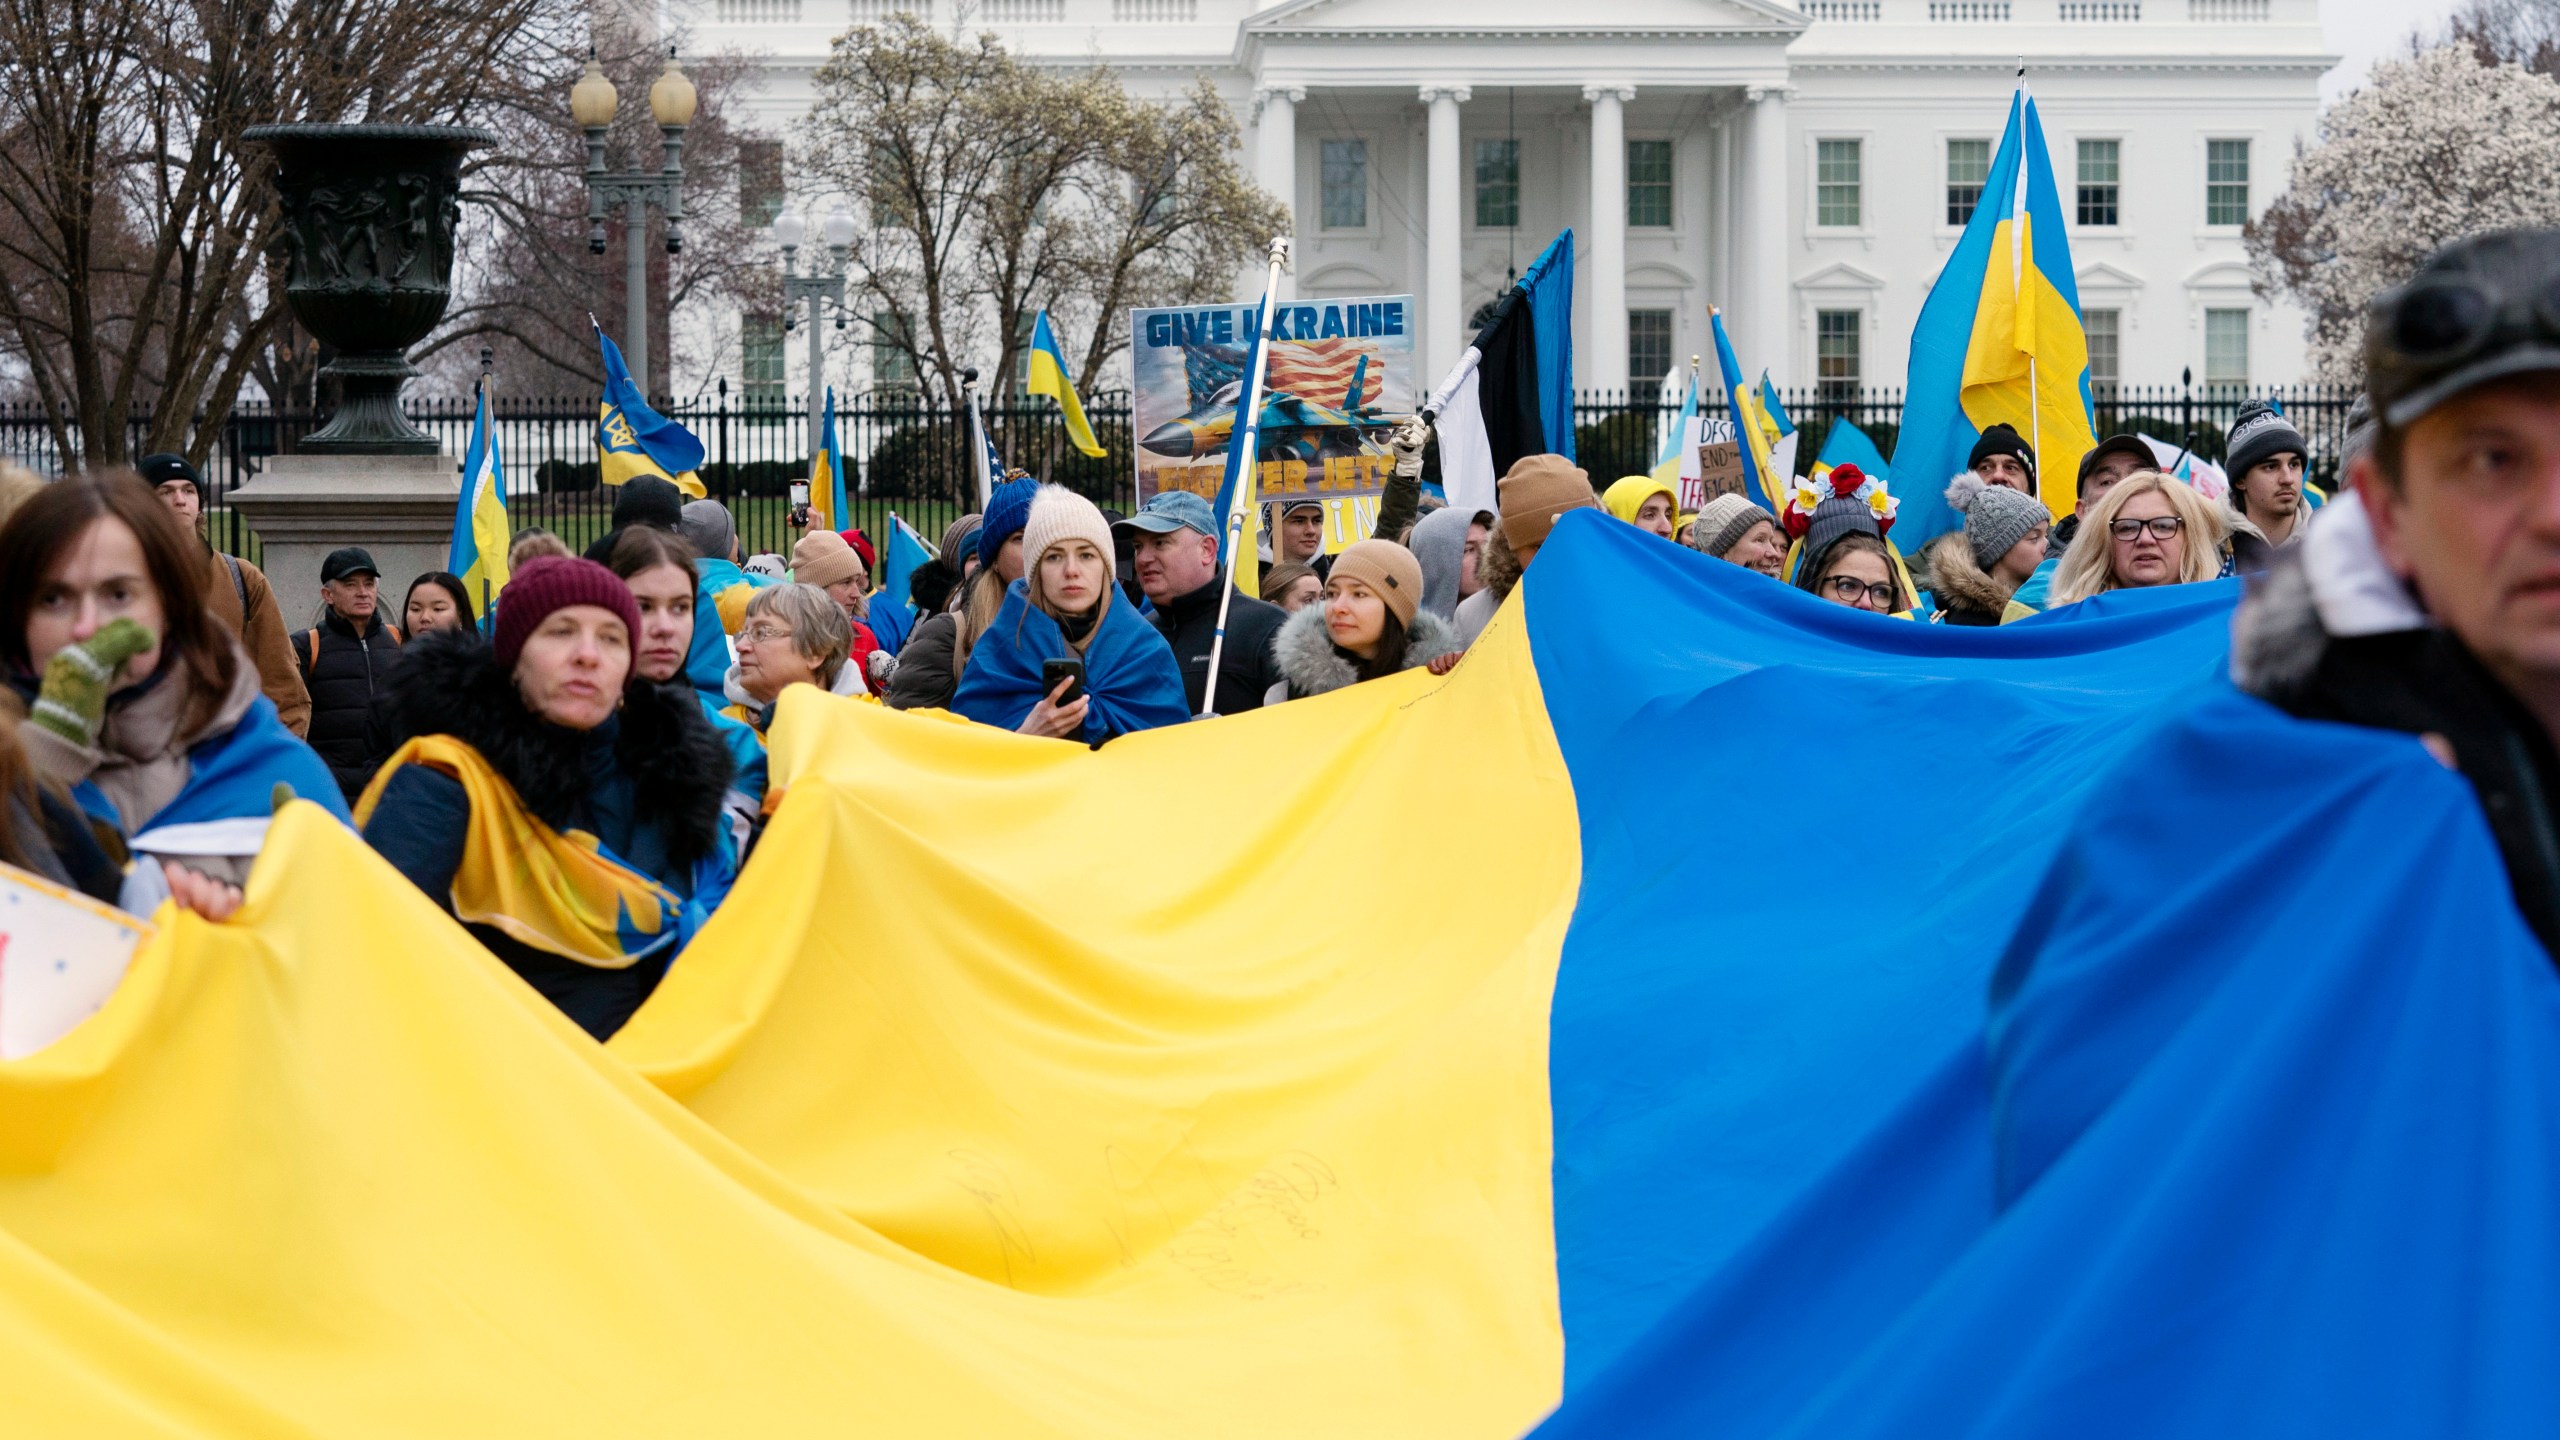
(1293, 424)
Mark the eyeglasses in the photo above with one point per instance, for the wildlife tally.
(762, 634)
(2163, 528)
(1850, 589)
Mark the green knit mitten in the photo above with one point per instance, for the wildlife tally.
(73, 700)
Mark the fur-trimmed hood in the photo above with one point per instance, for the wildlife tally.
(449, 683)
(1309, 665)
(2333, 584)
(1959, 583)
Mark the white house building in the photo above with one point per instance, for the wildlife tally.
(1805, 167)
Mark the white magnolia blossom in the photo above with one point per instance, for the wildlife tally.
(2433, 148)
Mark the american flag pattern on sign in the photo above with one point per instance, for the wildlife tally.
(1317, 370)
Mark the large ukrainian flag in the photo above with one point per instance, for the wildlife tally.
(1386, 1106)
(1998, 342)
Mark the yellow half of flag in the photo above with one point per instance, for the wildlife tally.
(2019, 324)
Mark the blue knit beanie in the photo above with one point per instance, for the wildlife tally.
(1008, 510)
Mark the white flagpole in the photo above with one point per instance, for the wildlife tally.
(1245, 445)
(2017, 267)
(977, 441)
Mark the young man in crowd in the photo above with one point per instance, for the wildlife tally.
(1533, 495)
(1173, 541)
(345, 660)
(237, 592)
(1299, 537)
(2266, 461)
(2428, 601)
(2003, 457)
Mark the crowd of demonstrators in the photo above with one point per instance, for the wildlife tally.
(794, 635)
(1369, 625)
(2147, 530)
(346, 661)
(1644, 502)
(1536, 492)
(1065, 655)
(1174, 550)
(546, 727)
(1974, 572)
(1736, 529)
(236, 590)
(147, 733)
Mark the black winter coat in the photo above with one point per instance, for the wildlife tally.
(1248, 666)
(349, 671)
(648, 783)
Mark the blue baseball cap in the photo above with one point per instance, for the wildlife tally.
(1173, 510)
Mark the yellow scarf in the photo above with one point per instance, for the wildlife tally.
(560, 892)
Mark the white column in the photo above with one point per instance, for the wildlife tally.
(1607, 256)
(1765, 228)
(1276, 162)
(1446, 337)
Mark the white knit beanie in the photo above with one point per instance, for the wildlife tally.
(1058, 513)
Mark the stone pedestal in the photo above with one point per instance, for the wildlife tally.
(398, 507)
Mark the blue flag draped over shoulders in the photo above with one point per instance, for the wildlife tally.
(1129, 670)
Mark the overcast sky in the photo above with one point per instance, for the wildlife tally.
(2368, 30)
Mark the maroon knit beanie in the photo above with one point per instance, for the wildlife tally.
(556, 582)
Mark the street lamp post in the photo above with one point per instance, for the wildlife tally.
(789, 230)
(671, 102)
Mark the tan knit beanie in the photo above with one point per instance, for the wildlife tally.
(822, 559)
(1538, 489)
(1390, 572)
(1058, 513)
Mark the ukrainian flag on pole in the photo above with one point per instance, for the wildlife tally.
(1760, 479)
(1999, 340)
(826, 473)
(634, 440)
(1049, 377)
(479, 551)
(1680, 453)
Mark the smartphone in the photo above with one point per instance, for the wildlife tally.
(1053, 671)
(799, 494)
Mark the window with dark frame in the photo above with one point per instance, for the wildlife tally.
(2099, 181)
(1345, 175)
(1836, 182)
(1648, 352)
(2226, 182)
(1497, 184)
(2104, 330)
(1968, 170)
(1649, 183)
(1835, 354)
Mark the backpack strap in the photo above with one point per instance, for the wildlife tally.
(239, 586)
(308, 652)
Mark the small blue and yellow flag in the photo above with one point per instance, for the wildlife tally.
(633, 440)
(1760, 479)
(1049, 377)
(1680, 448)
(479, 551)
(826, 473)
(1775, 409)
(1999, 340)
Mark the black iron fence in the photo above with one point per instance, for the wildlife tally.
(911, 459)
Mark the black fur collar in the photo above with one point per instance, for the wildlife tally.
(448, 683)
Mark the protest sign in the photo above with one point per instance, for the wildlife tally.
(1718, 467)
(61, 955)
(1340, 375)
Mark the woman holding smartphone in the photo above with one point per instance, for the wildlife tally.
(1063, 658)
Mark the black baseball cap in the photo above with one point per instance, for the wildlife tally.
(2480, 309)
(2130, 446)
(158, 470)
(351, 560)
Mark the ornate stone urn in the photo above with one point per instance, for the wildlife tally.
(369, 213)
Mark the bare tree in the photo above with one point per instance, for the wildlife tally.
(993, 189)
(135, 227)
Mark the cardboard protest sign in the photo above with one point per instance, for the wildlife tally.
(1718, 465)
(1341, 373)
(61, 955)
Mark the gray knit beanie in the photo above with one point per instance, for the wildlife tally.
(1725, 520)
(1995, 516)
(1840, 515)
(706, 525)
